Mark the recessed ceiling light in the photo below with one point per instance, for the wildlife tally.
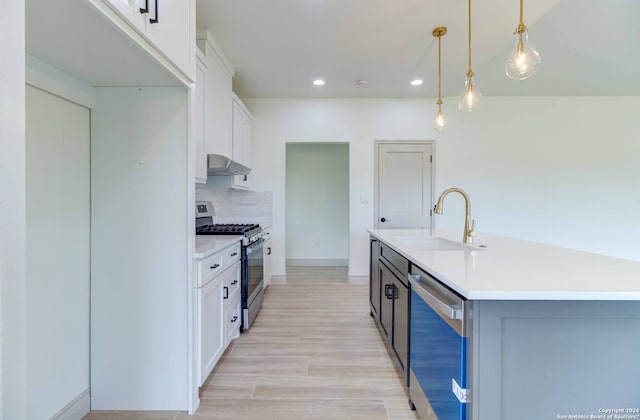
(318, 82)
(416, 82)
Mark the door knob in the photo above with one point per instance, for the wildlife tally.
(384, 219)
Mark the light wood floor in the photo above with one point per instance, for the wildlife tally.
(313, 352)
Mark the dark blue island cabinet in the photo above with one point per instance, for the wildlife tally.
(525, 360)
(504, 359)
(389, 301)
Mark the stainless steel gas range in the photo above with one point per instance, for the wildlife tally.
(252, 284)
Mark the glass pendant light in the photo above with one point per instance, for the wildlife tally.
(440, 122)
(469, 99)
(524, 60)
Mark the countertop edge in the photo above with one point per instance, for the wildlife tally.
(529, 286)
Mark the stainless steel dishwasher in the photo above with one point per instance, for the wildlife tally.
(440, 328)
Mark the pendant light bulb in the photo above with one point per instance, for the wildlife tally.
(524, 60)
(440, 122)
(469, 98)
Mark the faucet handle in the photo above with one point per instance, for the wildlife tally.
(472, 228)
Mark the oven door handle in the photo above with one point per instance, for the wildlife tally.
(257, 244)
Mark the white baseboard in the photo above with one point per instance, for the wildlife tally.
(278, 279)
(358, 280)
(318, 263)
(76, 409)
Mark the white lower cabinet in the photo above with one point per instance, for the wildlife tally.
(211, 329)
(218, 304)
(268, 256)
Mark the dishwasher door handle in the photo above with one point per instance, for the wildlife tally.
(450, 311)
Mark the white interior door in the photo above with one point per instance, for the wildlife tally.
(403, 185)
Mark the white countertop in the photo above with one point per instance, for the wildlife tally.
(512, 269)
(208, 244)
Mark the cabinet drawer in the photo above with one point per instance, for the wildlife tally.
(395, 261)
(210, 267)
(217, 263)
(232, 254)
(232, 320)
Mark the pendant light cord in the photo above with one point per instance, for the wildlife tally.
(521, 26)
(439, 71)
(470, 72)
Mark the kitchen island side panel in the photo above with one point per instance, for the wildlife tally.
(538, 359)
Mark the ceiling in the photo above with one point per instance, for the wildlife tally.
(277, 47)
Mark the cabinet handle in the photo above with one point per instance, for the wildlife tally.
(269, 250)
(387, 294)
(234, 319)
(146, 7)
(156, 18)
(226, 293)
(214, 266)
(234, 282)
(234, 254)
(455, 311)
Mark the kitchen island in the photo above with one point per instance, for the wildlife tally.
(542, 331)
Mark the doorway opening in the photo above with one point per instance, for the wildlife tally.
(317, 211)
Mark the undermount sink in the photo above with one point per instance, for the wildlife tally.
(436, 243)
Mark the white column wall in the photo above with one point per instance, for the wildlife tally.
(560, 170)
(12, 211)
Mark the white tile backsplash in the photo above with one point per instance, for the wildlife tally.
(238, 206)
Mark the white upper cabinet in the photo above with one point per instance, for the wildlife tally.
(215, 77)
(199, 119)
(168, 25)
(241, 136)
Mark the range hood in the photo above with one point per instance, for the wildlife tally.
(222, 165)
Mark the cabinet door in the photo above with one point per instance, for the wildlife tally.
(129, 10)
(237, 132)
(241, 135)
(386, 300)
(232, 321)
(200, 121)
(211, 332)
(268, 262)
(170, 27)
(400, 339)
(217, 109)
(374, 279)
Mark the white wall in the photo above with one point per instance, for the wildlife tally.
(12, 211)
(317, 203)
(560, 170)
(139, 249)
(58, 212)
